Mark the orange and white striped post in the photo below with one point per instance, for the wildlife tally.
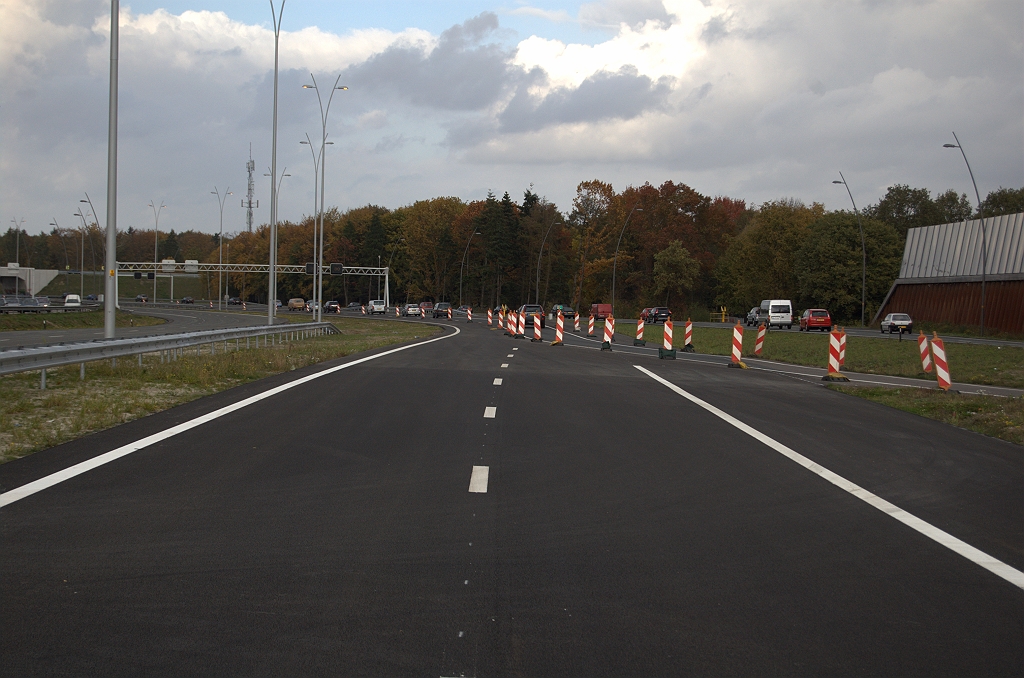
(922, 345)
(688, 337)
(834, 339)
(211, 303)
(666, 352)
(243, 305)
(397, 312)
(941, 366)
(609, 333)
(590, 327)
(490, 318)
(363, 308)
(639, 341)
(449, 313)
(469, 315)
(521, 334)
(501, 319)
(577, 322)
(423, 312)
(759, 344)
(559, 327)
(737, 347)
(537, 336)
(842, 347)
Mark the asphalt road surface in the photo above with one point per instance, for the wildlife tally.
(178, 320)
(411, 515)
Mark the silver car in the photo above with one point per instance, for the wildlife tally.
(897, 322)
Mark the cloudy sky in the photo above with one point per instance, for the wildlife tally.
(754, 99)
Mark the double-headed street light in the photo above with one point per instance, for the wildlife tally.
(318, 279)
(156, 240)
(220, 244)
(272, 282)
(984, 241)
(615, 259)
(863, 251)
(316, 206)
(81, 267)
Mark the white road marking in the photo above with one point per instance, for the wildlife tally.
(497, 381)
(504, 364)
(45, 482)
(478, 481)
(515, 349)
(490, 412)
(997, 567)
(511, 355)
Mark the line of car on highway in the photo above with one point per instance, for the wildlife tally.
(17, 303)
(779, 313)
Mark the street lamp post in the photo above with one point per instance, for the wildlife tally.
(220, 244)
(984, 241)
(615, 259)
(475, 232)
(81, 267)
(67, 263)
(387, 288)
(92, 246)
(110, 260)
(156, 240)
(318, 281)
(17, 249)
(536, 296)
(272, 284)
(863, 252)
(316, 210)
(275, 195)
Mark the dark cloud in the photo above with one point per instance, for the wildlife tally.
(714, 30)
(613, 13)
(622, 95)
(461, 73)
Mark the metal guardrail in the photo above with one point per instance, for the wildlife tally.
(14, 360)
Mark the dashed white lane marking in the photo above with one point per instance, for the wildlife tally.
(516, 349)
(478, 481)
(29, 489)
(504, 364)
(511, 355)
(997, 567)
(497, 381)
(490, 412)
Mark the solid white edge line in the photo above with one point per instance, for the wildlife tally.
(997, 567)
(45, 482)
(478, 480)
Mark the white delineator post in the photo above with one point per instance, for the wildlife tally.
(639, 341)
(490, 317)
(559, 326)
(590, 327)
(537, 336)
(609, 333)
(922, 345)
(577, 323)
(737, 347)
(469, 315)
(833, 358)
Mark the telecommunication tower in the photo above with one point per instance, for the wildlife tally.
(248, 203)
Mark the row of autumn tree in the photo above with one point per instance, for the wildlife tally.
(675, 247)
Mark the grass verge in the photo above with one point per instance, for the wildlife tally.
(968, 363)
(71, 321)
(32, 420)
(1001, 418)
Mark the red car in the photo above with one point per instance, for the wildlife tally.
(816, 319)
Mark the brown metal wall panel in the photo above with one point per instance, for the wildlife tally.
(960, 303)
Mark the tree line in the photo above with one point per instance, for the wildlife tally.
(664, 245)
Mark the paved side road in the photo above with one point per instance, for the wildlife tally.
(484, 506)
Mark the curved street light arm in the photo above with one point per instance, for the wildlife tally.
(863, 251)
(984, 238)
(615, 259)
(536, 296)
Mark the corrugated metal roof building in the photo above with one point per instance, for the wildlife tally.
(940, 278)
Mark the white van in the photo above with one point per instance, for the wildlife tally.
(777, 312)
(72, 300)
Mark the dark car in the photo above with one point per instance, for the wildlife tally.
(529, 312)
(188, 300)
(565, 309)
(441, 309)
(815, 319)
(658, 314)
(28, 301)
(354, 304)
(141, 298)
(234, 301)
(91, 297)
(332, 307)
(751, 316)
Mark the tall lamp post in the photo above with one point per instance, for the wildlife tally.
(156, 240)
(984, 241)
(67, 263)
(272, 283)
(387, 290)
(475, 232)
(81, 267)
(536, 296)
(316, 209)
(275, 195)
(92, 245)
(615, 259)
(318, 281)
(220, 244)
(17, 249)
(863, 252)
(110, 261)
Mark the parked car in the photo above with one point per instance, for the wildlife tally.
(296, 304)
(376, 306)
(72, 300)
(141, 298)
(565, 309)
(815, 319)
(234, 301)
(529, 312)
(441, 309)
(188, 300)
(658, 314)
(332, 307)
(600, 311)
(897, 322)
(777, 312)
(411, 310)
